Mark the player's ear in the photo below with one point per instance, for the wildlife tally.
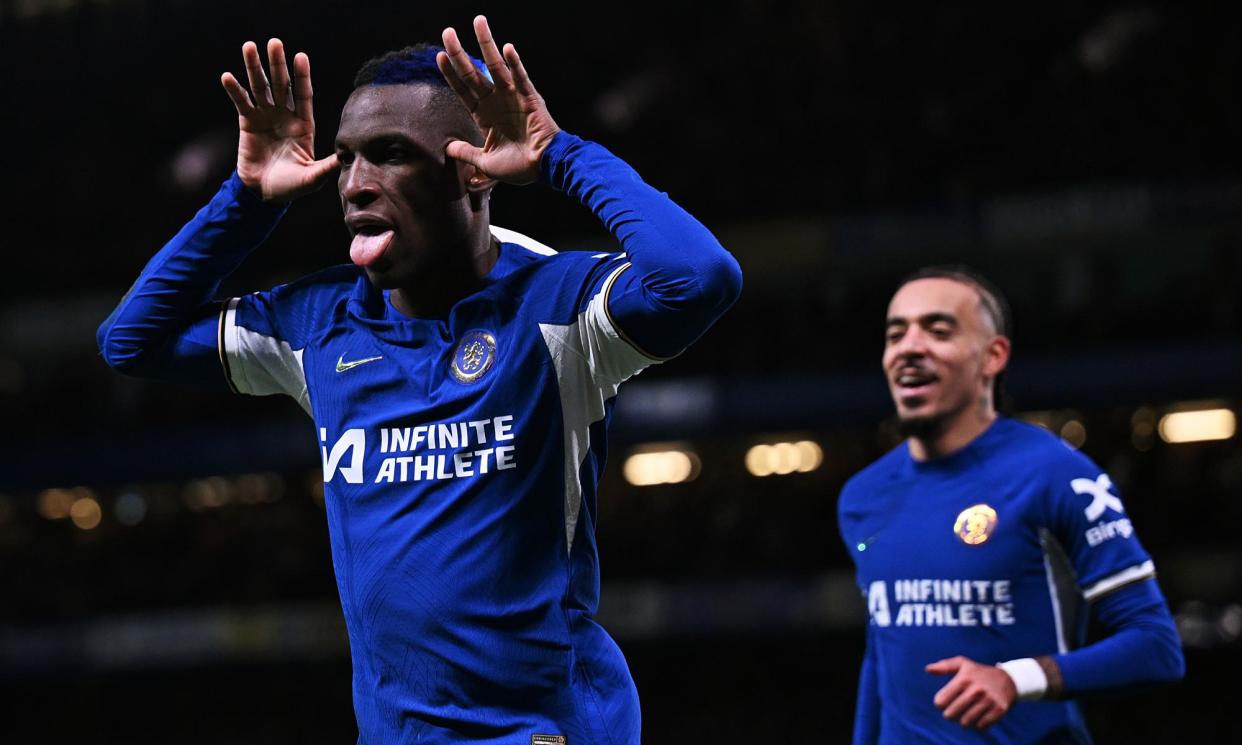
(478, 185)
(477, 181)
(480, 182)
(996, 355)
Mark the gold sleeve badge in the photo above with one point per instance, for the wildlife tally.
(975, 524)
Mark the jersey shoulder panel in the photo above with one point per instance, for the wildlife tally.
(1083, 510)
(532, 246)
(305, 308)
(1045, 451)
(562, 286)
(884, 468)
(560, 282)
(262, 335)
(1039, 456)
(859, 497)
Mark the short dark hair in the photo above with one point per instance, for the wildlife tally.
(993, 302)
(414, 64)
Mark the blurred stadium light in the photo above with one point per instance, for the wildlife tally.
(653, 465)
(784, 458)
(1202, 425)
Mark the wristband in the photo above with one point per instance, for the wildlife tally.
(1028, 677)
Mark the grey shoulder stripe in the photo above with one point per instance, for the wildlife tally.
(1121, 579)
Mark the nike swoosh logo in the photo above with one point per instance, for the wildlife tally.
(342, 365)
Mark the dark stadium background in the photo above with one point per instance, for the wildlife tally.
(1085, 155)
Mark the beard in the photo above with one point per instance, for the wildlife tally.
(920, 427)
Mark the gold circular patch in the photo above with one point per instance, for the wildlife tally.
(474, 356)
(975, 524)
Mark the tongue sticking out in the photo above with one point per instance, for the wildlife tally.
(366, 249)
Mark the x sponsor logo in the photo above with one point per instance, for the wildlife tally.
(1101, 498)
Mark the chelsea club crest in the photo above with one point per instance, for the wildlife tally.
(975, 524)
(473, 357)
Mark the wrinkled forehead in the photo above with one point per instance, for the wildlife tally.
(939, 295)
(420, 111)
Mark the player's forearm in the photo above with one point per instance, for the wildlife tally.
(1143, 649)
(687, 278)
(172, 289)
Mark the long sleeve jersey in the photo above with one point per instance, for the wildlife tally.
(461, 455)
(997, 552)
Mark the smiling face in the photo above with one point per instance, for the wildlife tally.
(941, 354)
(408, 207)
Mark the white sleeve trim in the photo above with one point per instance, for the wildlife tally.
(1142, 571)
(1028, 677)
(583, 402)
(504, 235)
(612, 357)
(260, 365)
(591, 360)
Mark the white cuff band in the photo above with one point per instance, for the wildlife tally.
(1028, 678)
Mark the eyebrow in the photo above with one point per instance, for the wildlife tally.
(381, 138)
(925, 320)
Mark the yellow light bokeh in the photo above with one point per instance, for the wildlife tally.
(54, 504)
(1198, 426)
(1074, 432)
(86, 513)
(784, 458)
(661, 467)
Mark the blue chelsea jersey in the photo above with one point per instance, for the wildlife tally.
(993, 553)
(460, 463)
(460, 455)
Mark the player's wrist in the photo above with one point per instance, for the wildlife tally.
(553, 166)
(1030, 677)
(251, 198)
(1052, 672)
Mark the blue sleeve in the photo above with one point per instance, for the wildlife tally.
(680, 278)
(1089, 520)
(1142, 646)
(867, 710)
(1117, 577)
(167, 325)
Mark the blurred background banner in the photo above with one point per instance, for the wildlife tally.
(164, 567)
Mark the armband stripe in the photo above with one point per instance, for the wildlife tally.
(228, 312)
(604, 293)
(1125, 577)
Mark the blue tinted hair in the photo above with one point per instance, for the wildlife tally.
(416, 64)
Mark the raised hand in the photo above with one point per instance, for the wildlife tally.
(977, 696)
(511, 113)
(276, 148)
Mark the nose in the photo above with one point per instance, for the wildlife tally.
(359, 185)
(911, 345)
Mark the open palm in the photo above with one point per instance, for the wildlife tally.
(515, 121)
(276, 147)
